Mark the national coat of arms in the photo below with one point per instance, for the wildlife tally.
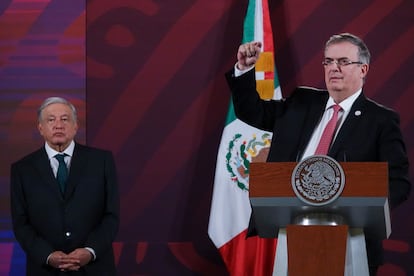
(241, 152)
(318, 180)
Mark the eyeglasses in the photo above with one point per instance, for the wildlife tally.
(339, 62)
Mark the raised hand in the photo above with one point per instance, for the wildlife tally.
(248, 54)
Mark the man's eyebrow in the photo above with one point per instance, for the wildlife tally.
(337, 58)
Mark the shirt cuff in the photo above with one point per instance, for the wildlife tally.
(92, 252)
(238, 72)
(48, 257)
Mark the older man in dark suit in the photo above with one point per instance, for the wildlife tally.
(67, 227)
(364, 131)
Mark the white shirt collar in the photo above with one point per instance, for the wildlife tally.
(51, 152)
(345, 104)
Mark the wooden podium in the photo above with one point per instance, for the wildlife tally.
(319, 249)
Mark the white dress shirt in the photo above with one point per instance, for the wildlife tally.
(327, 115)
(54, 163)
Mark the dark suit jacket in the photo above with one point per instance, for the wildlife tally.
(87, 215)
(370, 132)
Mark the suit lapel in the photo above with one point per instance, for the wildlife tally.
(77, 165)
(355, 115)
(311, 118)
(42, 165)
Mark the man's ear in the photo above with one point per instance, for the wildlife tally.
(364, 70)
(40, 128)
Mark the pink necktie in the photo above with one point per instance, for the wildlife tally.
(328, 133)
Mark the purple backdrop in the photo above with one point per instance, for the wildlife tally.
(155, 94)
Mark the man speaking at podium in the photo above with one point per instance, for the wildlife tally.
(360, 129)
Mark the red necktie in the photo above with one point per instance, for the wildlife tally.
(328, 133)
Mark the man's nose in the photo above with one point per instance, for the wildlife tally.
(335, 67)
(58, 124)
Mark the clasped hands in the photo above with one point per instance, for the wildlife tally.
(248, 54)
(72, 261)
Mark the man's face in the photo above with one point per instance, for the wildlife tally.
(57, 126)
(343, 81)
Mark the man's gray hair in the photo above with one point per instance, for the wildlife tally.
(363, 52)
(53, 100)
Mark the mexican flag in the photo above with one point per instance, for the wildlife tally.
(240, 145)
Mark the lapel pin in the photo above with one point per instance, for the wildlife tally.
(357, 113)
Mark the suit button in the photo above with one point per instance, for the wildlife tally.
(68, 234)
